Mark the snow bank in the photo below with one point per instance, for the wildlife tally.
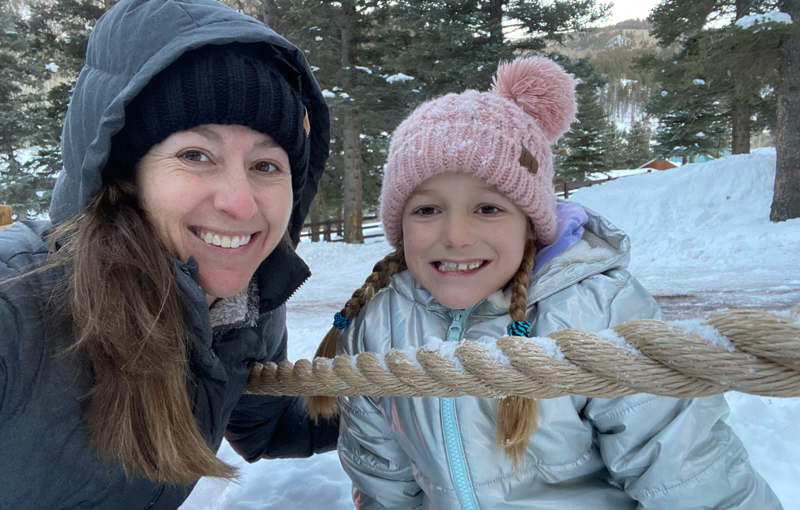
(702, 226)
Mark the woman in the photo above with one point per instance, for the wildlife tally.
(192, 149)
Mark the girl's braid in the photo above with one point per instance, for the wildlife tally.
(382, 272)
(517, 419)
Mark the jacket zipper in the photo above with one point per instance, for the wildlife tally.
(452, 438)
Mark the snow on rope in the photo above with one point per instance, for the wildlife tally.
(748, 351)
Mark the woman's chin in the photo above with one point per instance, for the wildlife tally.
(220, 288)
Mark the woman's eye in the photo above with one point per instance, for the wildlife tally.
(265, 166)
(196, 156)
(489, 209)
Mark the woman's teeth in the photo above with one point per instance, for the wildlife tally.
(224, 241)
(453, 266)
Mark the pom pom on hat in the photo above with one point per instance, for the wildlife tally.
(502, 136)
(542, 89)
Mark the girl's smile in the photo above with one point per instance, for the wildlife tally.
(463, 239)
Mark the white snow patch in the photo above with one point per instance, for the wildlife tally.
(328, 94)
(399, 78)
(617, 341)
(770, 17)
(708, 333)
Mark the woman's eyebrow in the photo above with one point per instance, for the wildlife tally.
(207, 133)
(268, 143)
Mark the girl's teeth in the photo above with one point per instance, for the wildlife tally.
(452, 266)
(225, 241)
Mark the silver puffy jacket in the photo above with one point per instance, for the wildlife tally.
(640, 451)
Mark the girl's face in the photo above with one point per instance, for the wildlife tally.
(463, 239)
(221, 194)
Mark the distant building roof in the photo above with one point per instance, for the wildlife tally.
(659, 164)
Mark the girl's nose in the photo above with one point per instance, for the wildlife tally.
(457, 232)
(235, 196)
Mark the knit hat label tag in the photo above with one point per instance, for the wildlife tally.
(527, 160)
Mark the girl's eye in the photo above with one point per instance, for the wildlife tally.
(195, 156)
(489, 209)
(425, 211)
(265, 166)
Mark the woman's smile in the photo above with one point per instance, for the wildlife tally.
(223, 240)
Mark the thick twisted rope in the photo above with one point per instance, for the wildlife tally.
(740, 350)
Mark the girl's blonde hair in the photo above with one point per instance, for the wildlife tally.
(517, 416)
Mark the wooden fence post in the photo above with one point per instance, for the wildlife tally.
(5, 214)
(566, 191)
(326, 235)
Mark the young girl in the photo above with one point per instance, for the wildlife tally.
(483, 250)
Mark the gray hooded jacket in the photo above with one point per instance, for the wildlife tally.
(46, 462)
(641, 451)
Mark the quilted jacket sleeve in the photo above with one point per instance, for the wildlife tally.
(673, 453)
(263, 426)
(371, 457)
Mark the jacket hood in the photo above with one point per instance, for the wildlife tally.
(131, 43)
(602, 248)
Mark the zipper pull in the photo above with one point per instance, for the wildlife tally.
(454, 331)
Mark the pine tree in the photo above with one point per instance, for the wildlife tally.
(585, 144)
(51, 44)
(638, 145)
(616, 148)
(692, 122)
(20, 114)
(744, 61)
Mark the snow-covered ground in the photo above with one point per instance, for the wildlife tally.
(702, 240)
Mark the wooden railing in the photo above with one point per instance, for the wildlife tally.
(563, 188)
(327, 229)
(6, 213)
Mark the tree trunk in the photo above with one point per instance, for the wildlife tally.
(352, 141)
(496, 15)
(786, 199)
(740, 121)
(314, 218)
(740, 108)
(269, 14)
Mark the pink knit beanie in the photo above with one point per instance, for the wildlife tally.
(491, 135)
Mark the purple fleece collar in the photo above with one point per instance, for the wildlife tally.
(571, 217)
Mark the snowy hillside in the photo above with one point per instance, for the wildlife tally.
(701, 235)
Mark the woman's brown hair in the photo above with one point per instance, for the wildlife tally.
(517, 416)
(126, 313)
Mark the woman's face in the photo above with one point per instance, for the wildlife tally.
(221, 194)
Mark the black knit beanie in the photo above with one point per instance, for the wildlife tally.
(229, 84)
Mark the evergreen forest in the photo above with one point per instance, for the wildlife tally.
(696, 78)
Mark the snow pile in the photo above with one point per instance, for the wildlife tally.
(702, 226)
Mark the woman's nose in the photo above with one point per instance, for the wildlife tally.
(457, 232)
(235, 196)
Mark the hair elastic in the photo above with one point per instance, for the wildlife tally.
(519, 328)
(340, 321)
